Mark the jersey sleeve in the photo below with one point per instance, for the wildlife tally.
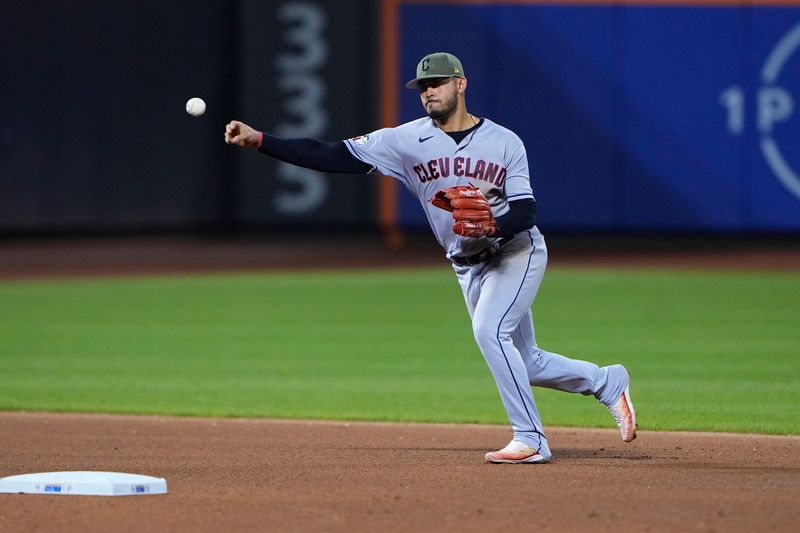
(379, 149)
(518, 179)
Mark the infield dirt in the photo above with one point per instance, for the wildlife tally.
(267, 475)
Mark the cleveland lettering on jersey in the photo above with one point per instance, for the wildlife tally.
(463, 167)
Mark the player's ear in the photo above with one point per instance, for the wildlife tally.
(462, 85)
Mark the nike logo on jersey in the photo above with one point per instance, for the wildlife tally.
(461, 167)
(423, 139)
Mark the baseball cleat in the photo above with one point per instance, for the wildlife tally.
(516, 452)
(625, 415)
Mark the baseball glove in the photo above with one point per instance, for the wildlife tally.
(472, 214)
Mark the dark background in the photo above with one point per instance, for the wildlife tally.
(94, 137)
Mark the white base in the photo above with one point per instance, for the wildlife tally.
(84, 484)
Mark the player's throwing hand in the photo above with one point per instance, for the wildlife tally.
(241, 134)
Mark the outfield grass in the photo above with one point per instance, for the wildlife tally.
(707, 351)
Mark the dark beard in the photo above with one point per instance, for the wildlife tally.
(445, 113)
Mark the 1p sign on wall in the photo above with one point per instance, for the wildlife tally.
(775, 105)
(783, 106)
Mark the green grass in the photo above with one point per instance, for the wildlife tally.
(708, 351)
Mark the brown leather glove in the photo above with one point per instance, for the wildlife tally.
(471, 211)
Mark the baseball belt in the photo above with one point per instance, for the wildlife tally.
(480, 257)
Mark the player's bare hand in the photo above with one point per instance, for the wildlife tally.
(241, 134)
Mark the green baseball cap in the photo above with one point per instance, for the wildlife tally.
(437, 65)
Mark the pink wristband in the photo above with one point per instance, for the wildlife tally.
(260, 139)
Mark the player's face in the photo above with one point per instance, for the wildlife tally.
(439, 96)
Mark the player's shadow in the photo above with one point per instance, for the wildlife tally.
(599, 453)
(558, 453)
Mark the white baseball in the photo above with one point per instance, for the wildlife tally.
(195, 106)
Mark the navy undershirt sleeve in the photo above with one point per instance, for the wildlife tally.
(323, 156)
(521, 216)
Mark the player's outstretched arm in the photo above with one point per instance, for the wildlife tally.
(241, 134)
(309, 153)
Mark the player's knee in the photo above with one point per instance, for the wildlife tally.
(481, 333)
(488, 334)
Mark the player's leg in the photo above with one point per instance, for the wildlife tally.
(555, 371)
(609, 384)
(470, 280)
(507, 287)
(547, 369)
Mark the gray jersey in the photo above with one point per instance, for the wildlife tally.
(426, 159)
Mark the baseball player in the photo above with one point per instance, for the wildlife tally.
(471, 177)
